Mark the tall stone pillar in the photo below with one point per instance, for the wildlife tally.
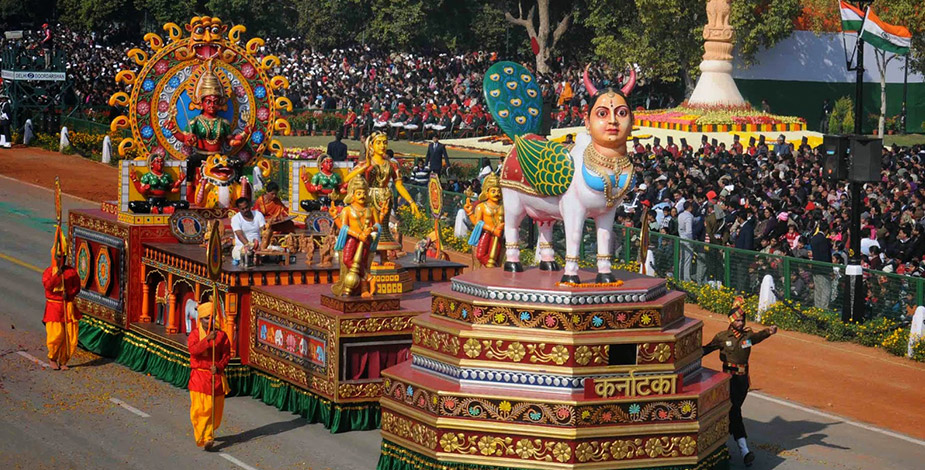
(716, 86)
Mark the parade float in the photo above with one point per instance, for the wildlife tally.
(203, 110)
(554, 367)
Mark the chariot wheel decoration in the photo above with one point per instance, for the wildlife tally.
(204, 93)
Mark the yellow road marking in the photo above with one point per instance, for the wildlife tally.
(22, 263)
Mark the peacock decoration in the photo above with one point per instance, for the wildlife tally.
(515, 101)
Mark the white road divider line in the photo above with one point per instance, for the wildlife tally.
(236, 461)
(129, 407)
(816, 412)
(33, 358)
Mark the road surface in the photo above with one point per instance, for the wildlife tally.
(100, 415)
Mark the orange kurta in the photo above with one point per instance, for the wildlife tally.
(55, 303)
(200, 379)
(61, 315)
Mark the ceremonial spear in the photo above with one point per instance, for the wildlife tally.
(57, 248)
(214, 264)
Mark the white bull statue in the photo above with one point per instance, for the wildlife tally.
(550, 182)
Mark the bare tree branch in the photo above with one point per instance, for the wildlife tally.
(521, 21)
(560, 29)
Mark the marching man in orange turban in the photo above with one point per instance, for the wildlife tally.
(62, 284)
(210, 352)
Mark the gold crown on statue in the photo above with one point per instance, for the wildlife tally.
(209, 84)
(490, 181)
(376, 135)
(355, 184)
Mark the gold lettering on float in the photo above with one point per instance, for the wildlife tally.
(632, 386)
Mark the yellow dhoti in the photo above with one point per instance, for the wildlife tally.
(60, 349)
(200, 413)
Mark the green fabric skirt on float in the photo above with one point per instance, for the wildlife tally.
(144, 355)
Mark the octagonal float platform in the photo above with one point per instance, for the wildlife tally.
(515, 371)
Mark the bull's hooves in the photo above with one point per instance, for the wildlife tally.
(604, 278)
(513, 267)
(549, 266)
(573, 279)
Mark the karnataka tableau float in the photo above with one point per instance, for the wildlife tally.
(204, 105)
(517, 370)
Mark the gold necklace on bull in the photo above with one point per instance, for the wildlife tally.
(607, 172)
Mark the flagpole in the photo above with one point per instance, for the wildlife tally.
(859, 77)
(905, 90)
(851, 309)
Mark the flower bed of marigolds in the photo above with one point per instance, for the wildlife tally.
(880, 332)
(717, 119)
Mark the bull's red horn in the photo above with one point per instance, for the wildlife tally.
(630, 84)
(588, 85)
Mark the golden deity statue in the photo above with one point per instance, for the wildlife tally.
(380, 172)
(358, 224)
(488, 217)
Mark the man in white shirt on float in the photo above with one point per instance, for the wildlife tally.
(246, 225)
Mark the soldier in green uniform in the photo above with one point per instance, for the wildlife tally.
(735, 346)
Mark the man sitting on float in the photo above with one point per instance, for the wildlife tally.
(246, 225)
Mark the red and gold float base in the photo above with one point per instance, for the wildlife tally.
(514, 371)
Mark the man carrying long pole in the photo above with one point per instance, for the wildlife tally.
(210, 352)
(62, 284)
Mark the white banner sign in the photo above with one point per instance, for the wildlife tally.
(37, 76)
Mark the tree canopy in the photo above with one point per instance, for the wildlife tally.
(663, 37)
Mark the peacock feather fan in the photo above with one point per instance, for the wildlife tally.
(513, 98)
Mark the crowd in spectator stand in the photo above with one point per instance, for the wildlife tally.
(401, 93)
(775, 199)
(91, 60)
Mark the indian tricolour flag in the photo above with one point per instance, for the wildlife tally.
(888, 37)
(851, 18)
